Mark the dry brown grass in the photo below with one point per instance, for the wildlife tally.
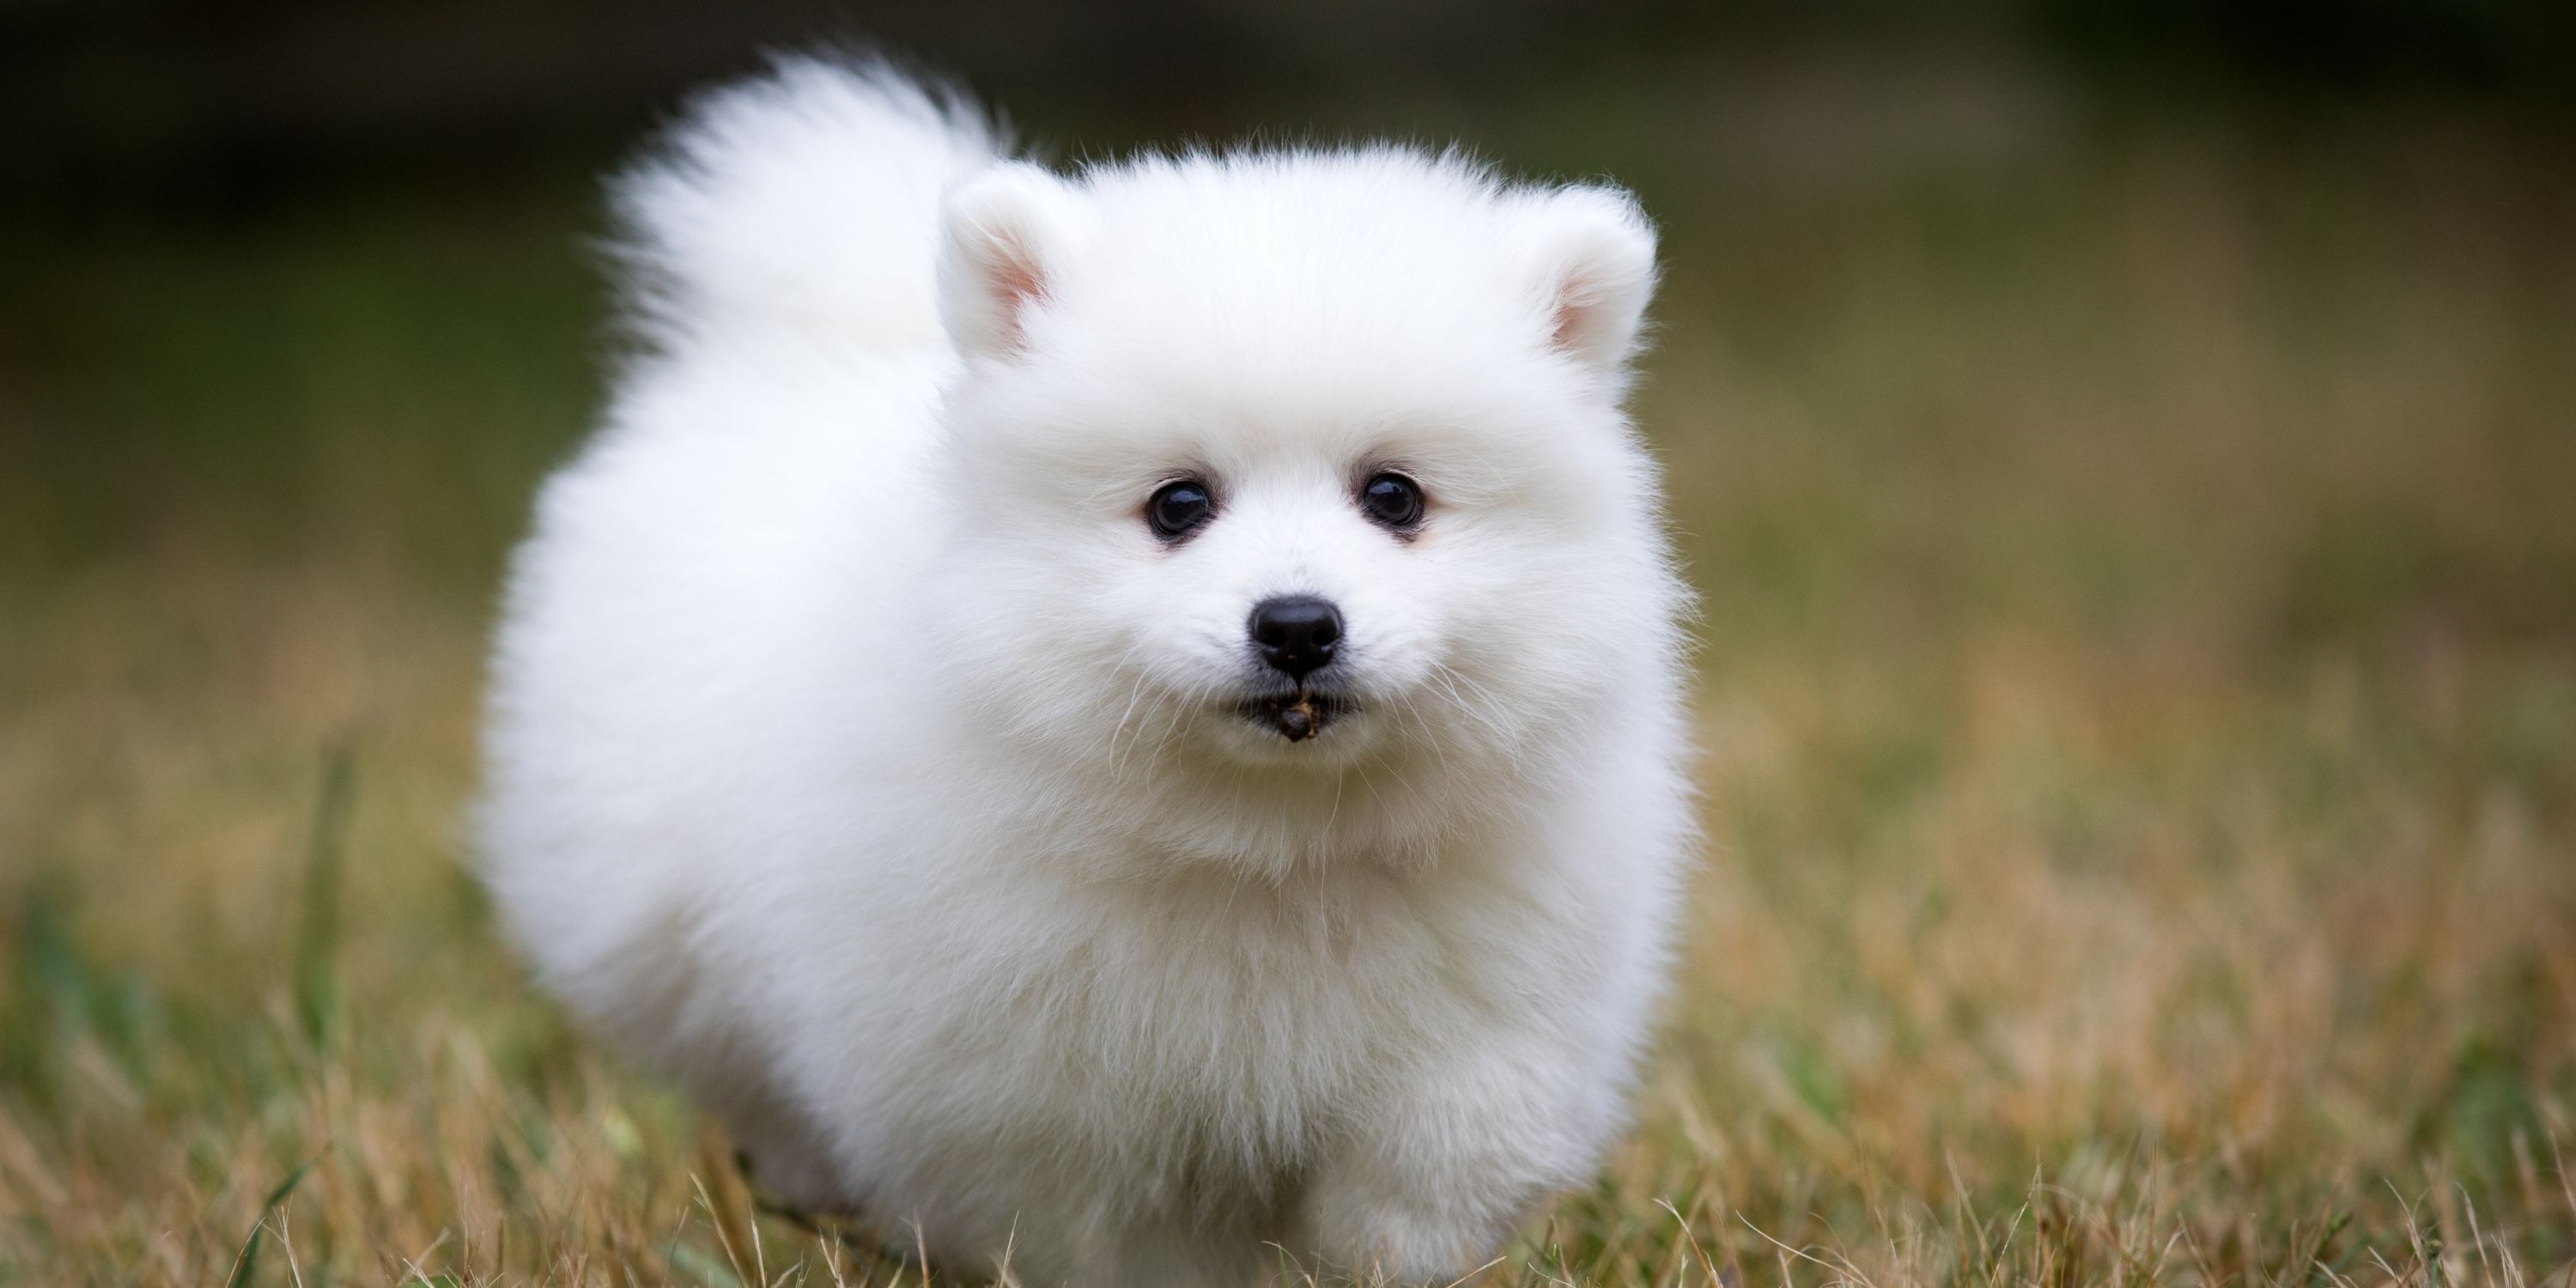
(2140, 712)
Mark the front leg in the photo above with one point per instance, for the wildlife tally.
(1428, 1183)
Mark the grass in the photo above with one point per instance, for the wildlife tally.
(2140, 706)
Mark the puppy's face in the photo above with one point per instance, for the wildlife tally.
(1300, 464)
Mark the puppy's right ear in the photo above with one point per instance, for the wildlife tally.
(1595, 261)
(1006, 235)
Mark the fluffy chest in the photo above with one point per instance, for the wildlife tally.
(1202, 1022)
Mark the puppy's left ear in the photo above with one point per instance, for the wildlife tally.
(1594, 254)
(1006, 235)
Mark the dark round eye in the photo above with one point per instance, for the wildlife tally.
(1177, 507)
(1393, 500)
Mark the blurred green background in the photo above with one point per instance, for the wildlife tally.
(2126, 452)
(266, 263)
(273, 271)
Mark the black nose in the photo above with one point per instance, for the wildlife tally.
(1296, 633)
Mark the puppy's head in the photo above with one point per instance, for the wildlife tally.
(1298, 464)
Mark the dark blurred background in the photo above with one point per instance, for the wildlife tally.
(206, 130)
(172, 169)
(216, 112)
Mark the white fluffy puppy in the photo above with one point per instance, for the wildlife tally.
(1131, 715)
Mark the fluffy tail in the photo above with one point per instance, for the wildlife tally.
(808, 200)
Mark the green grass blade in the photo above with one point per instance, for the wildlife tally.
(249, 1256)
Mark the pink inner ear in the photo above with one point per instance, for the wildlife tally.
(1013, 282)
(1569, 322)
(1573, 312)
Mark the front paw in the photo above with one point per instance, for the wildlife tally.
(1372, 1239)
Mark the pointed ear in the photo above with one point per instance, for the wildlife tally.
(1005, 235)
(1595, 259)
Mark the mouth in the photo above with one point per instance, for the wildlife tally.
(1295, 716)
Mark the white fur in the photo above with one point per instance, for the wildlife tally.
(856, 754)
